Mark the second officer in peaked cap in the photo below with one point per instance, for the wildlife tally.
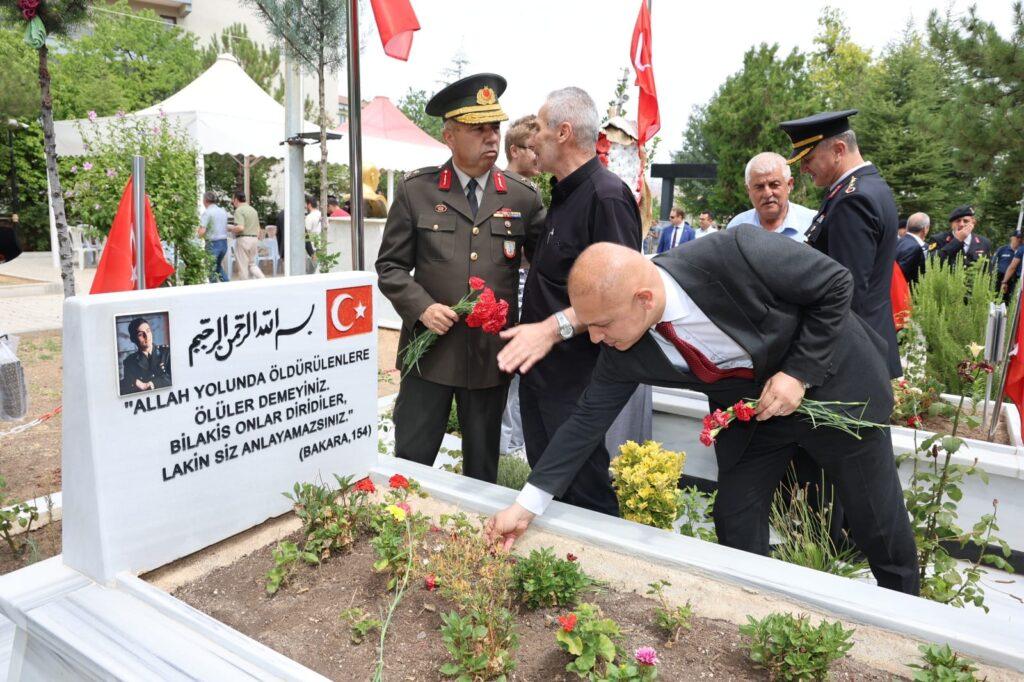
(464, 218)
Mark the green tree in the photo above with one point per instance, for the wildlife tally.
(30, 169)
(262, 64)
(900, 127)
(837, 65)
(50, 18)
(693, 194)
(21, 77)
(617, 104)
(742, 119)
(126, 61)
(414, 105)
(313, 30)
(984, 115)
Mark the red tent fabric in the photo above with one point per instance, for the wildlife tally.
(380, 118)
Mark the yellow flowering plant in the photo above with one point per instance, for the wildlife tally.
(645, 479)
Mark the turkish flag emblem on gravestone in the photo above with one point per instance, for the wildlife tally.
(349, 311)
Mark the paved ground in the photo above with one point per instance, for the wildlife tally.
(20, 313)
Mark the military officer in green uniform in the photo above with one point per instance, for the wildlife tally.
(149, 367)
(446, 224)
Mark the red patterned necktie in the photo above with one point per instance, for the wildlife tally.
(700, 366)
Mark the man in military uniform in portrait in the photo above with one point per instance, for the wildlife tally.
(149, 367)
(857, 222)
(448, 223)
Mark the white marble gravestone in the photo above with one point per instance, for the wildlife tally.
(253, 386)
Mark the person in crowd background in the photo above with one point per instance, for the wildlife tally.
(769, 182)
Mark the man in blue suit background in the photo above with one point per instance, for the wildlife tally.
(678, 232)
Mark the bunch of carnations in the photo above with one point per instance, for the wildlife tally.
(819, 412)
(482, 309)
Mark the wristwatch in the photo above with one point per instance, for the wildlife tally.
(565, 329)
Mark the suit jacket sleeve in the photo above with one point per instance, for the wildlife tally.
(576, 439)
(852, 241)
(804, 277)
(397, 258)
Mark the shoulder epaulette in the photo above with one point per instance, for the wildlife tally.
(932, 246)
(521, 180)
(422, 171)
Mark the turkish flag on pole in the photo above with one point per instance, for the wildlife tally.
(648, 118)
(395, 22)
(116, 271)
(899, 295)
(1014, 387)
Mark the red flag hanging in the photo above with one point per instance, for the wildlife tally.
(1014, 388)
(116, 271)
(648, 117)
(396, 22)
(899, 295)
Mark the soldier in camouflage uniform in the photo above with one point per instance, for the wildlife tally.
(447, 223)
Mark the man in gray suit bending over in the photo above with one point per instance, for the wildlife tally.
(740, 314)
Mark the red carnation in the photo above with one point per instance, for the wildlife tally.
(571, 557)
(398, 481)
(366, 486)
(709, 422)
(721, 418)
(742, 411)
(568, 623)
(915, 422)
(430, 582)
(28, 8)
(476, 283)
(706, 439)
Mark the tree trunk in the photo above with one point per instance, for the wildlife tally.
(323, 156)
(67, 268)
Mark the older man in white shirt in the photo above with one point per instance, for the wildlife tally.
(769, 182)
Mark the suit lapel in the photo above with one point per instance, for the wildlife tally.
(455, 197)
(491, 201)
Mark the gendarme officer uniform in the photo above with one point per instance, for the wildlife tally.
(856, 226)
(441, 230)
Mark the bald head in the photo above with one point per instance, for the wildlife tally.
(617, 293)
(918, 224)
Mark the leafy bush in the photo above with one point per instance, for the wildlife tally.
(360, 623)
(453, 421)
(286, 557)
(942, 664)
(951, 305)
(20, 514)
(331, 519)
(96, 181)
(790, 648)
(512, 472)
(588, 637)
(480, 644)
(671, 619)
(542, 579)
(695, 509)
(645, 480)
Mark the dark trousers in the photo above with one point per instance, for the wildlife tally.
(863, 473)
(421, 415)
(542, 414)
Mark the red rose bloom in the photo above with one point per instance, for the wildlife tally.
(476, 283)
(742, 411)
(568, 623)
(430, 582)
(366, 486)
(398, 481)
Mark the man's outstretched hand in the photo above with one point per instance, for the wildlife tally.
(527, 345)
(508, 525)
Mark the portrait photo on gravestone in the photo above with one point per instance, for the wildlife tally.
(143, 352)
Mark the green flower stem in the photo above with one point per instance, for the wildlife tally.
(421, 342)
(378, 674)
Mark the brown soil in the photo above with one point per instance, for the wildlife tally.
(30, 460)
(945, 425)
(387, 352)
(42, 544)
(302, 622)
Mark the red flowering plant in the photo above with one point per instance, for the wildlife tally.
(820, 413)
(482, 309)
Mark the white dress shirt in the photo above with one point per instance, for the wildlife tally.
(795, 225)
(481, 182)
(691, 325)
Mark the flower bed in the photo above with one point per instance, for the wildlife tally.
(304, 620)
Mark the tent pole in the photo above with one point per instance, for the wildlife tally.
(245, 178)
(355, 137)
(294, 230)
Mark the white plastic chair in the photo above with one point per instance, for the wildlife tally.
(81, 246)
(267, 251)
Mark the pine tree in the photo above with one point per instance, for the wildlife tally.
(837, 64)
(985, 114)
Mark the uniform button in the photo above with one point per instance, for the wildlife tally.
(508, 231)
(508, 223)
(473, 256)
(435, 228)
(476, 230)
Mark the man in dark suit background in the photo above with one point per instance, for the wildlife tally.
(765, 316)
(912, 251)
(678, 231)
